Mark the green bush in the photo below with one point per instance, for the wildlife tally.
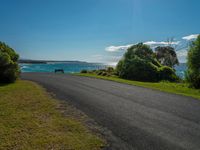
(84, 71)
(110, 69)
(9, 69)
(193, 78)
(120, 68)
(104, 74)
(193, 72)
(139, 63)
(139, 69)
(167, 73)
(99, 73)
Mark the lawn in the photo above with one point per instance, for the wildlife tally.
(176, 88)
(30, 119)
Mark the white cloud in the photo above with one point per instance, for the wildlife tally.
(117, 48)
(107, 59)
(151, 43)
(190, 37)
(113, 64)
(181, 54)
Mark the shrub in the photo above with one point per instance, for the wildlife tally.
(104, 74)
(103, 70)
(156, 62)
(139, 63)
(193, 78)
(9, 69)
(120, 68)
(141, 50)
(139, 69)
(167, 73)
(99, 72)
(84, 71)
(193, 72)
(110, 69)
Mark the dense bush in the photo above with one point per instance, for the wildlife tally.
(9, 70)
(167, 73)
(84, 71)
(139, 63)
(141, 50)
(99, 72)
(110, 71)
(193, 72)
(103, 72)
(138, 69)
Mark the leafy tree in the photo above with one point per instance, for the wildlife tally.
(166, 56)
(9, 70)
(167, 73)
(139, 63)
(193, 62)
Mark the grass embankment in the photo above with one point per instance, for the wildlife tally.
(177, 88)
(30, 119)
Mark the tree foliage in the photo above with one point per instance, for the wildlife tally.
(166, 55)
(9, 70)
(139, 63)
(193, 62)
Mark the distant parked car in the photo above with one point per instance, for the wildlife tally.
(59, 70)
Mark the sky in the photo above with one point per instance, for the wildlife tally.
(95, 30)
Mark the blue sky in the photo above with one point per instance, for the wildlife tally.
(94, 30)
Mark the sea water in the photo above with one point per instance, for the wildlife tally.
(75, 67)
(68, 67)
(181, 69)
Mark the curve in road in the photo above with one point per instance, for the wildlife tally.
(140, 118)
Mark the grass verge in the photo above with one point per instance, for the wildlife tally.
(176, 88)
(30, 119)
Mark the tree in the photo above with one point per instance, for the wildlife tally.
(166, 55)
(9, 69)
(139, 63)
(193, 63)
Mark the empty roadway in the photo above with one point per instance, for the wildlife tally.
(139, 118)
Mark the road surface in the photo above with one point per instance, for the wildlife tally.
(140, 118)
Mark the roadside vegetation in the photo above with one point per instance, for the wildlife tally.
(9, 69)
(180, 88)
(140, 63)
(31, 119)
(141, 66)
(193, 72)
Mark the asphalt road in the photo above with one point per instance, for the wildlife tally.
(140, 118)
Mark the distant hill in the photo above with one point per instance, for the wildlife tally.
(29, 61)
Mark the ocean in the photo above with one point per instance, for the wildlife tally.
(180, 70)
(75, 67)
(68, 67)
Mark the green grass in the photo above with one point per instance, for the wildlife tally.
(30, 119)
(176, 88)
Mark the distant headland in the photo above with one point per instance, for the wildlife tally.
(29, 61)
